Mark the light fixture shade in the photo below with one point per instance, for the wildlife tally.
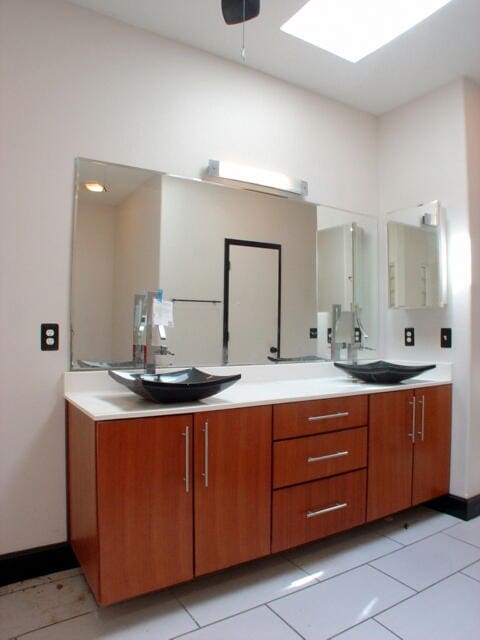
(258, 177)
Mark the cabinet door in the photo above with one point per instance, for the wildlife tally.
(144, 505)
(232, 487)
(390, 453)
(431, 455)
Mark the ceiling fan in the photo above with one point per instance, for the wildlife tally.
(238, 11)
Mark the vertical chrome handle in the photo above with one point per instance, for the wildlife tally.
(186, 435)
(421, 433)
(205, 443)
(412, 434)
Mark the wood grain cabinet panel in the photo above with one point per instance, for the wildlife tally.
(318, 416)
(313, 457)
(431, 452)
(314, 510)
(144, 505)
(233, 452)
(409, 448)
(390, 453)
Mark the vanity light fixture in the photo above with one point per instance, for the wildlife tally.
(258, 177)
(96, 187)
(352, 29)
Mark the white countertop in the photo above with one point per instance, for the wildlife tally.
(101, 398)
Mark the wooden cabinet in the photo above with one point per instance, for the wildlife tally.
(409, 448)
(132, 525)
(315, 448)
(157, 501)
(134, 486)
(232, 487)
(314, 510)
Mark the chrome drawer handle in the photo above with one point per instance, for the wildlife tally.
(411, 435)
(205, 443)
(342, 414)
(334, 507)
(186, 479)
(329, 456)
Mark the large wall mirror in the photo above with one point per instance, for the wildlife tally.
(417, 263)
(250, 277)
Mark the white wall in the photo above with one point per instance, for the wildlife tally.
(472, 111)
(422, 157)
(74, 83)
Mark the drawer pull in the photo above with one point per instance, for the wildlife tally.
(334, 507)
(329, 456)
(341, 414)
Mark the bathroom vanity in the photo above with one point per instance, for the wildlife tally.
(160, 494)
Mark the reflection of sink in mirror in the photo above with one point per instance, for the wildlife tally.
(185, 385)
(150, 230)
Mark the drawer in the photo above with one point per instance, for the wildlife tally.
(317, 416)
(313, 457)
(317, 509)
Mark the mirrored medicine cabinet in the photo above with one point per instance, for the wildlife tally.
(417, 264)
(252, 276)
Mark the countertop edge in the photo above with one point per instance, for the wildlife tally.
(83, 400)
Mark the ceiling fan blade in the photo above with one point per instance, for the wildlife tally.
(233, 10)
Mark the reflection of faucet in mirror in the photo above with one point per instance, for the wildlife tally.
(347, 332)
(150, 338)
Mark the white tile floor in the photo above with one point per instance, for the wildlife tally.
(415, 576)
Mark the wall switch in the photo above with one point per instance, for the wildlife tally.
(409, 337)
(49, 337)
(313, 332)
(446, 338)
(329, 335)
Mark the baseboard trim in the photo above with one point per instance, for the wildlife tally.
(464, 508)
(32, 563)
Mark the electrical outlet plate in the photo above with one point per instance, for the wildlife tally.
(313, 332)
(409, 337)
(446, 338)
(49, 337)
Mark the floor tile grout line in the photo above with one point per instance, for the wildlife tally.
(388, 629)
(433, 583)
(404, 584)
(358, 624)
(472, 544)
(418, 594)
(275, 613)
(53, 624)
(214, 622)
(174, 595)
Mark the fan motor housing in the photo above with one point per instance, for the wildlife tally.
(233, 10)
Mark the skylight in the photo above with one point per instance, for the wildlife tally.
(352, 29)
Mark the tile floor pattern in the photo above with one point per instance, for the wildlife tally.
(415, 576)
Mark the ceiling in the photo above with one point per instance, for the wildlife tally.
(441, 48)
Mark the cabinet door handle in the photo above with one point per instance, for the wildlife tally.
(186, 435)
(205, 444)
(341, 414)
(421, 433)
(412, 434)
(334, 507)
(329, 456)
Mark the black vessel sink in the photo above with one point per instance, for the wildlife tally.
(383, 372)
(178, 386)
